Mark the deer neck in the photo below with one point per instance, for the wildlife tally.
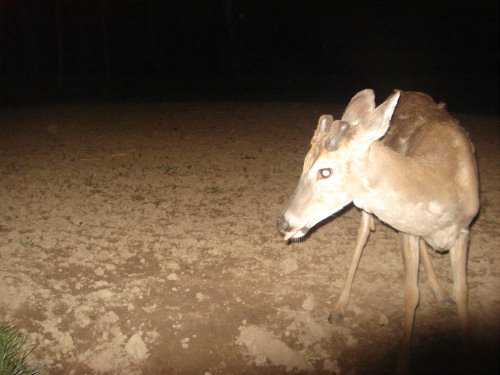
(386, 184)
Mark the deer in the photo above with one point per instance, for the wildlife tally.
(408, 163)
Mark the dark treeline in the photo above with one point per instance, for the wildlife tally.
(228, 47)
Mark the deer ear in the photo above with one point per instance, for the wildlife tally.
(377, 123)
(360, 106)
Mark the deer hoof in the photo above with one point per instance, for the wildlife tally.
(335, 317)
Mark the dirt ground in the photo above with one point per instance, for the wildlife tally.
(140, 238)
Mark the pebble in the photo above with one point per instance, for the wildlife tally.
(308, 303)
(99, 271)
(172, 277)
(185, 342)
(289, 265)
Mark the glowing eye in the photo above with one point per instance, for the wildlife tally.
(325, 173)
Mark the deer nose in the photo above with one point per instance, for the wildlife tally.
(283, 225)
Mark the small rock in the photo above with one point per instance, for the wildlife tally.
(201, 297)
(289, 265)
(173, 266)
(308, 303)
(110, 267)
(99, 271)
(66, 342)
(136, 349)
(172, 277)
(110, 318)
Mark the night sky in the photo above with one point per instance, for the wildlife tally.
(298, 50)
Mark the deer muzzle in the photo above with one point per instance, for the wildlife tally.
(289, 232)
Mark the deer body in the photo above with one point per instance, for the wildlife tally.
(428, 167)
(409, 163)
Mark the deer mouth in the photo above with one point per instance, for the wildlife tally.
(296, 236)
(289, 233)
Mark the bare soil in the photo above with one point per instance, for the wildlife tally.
(140, 238)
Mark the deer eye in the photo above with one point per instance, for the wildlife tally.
(325, 173)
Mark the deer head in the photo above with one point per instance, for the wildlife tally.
(328, 181)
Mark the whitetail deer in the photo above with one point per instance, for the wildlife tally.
(416, 172)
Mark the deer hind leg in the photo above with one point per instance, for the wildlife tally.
(458, 256)
(429, 270)
(410, 249)
(367, 224)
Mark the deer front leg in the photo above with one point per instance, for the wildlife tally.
(363, 234)
(410, 246)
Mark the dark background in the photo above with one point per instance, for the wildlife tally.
(298, 50)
